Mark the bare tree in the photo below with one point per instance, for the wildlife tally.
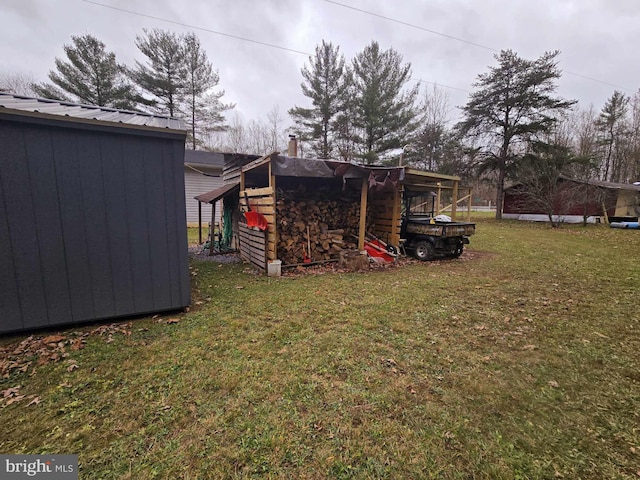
(19, 83)
(429, 144)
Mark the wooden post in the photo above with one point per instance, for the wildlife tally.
(606, 215)
(363, 213)
(199, 222)
(454, 200)
(213, 227)
(437, 212)
(273, 236)
(469, 204)
(395, 216)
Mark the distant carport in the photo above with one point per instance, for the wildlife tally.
(212, 197)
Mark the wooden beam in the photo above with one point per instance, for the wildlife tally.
(469, 204)
(454, 201)
(395, 216)
(272, 184)
(213, 229)
(437, 209)
(363, 213)
(199, 223)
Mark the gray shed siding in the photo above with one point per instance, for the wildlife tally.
(92, 223)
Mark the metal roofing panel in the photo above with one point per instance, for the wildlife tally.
(215, 195)
(74, 110)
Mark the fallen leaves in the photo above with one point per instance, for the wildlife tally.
(42, 350)
(12, 395)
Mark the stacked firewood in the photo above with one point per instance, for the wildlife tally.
(315, 229)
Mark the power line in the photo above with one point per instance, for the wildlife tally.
(418, 27)
(237, 37)
(458, 39)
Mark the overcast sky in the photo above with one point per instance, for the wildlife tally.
(598, 39)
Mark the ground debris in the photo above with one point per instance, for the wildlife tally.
(38, 350)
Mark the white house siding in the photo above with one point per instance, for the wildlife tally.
(196, 184)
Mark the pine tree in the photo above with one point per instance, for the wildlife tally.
(512, 104)
(91, 75)
(164, 75)
(324, 85)
(383, 111)
(612, 129)
(200, 104)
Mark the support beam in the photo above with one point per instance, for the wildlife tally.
(454, 201)
(363, 213)
(469, 204)
(438, 197)
(213, 227)
(199, 223)
(395, 216)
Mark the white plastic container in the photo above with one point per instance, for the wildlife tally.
(274, 268)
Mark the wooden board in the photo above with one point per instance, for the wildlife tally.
(253, 246)
(257, 192)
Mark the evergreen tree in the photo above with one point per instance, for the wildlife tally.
(324, 85)
(512, 104)
(201, 106)
(612, 129)
(383, 111)
(90, 75)
(164, 75)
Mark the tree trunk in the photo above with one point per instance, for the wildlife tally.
(500, 189)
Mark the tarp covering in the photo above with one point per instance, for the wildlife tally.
(380, 178)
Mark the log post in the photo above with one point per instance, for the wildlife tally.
(469, 204)
(363, 213)
(437, 209)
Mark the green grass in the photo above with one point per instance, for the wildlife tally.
(518, 360)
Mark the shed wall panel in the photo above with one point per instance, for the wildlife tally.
(154, 194)
(73, 225)
(9, 295)
(95, 221)
(117, 226)
(139, 237)
(48, 223)
(22, 230)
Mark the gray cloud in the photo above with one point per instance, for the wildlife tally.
(597, 38)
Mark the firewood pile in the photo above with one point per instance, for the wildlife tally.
(332, 225)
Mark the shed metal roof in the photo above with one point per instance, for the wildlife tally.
(11, 103)
(198, 157)
(218, 193)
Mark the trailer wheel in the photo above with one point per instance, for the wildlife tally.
(423, 250)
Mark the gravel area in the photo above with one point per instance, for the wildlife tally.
(203, 255)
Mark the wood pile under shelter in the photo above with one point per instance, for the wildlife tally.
(316, 209)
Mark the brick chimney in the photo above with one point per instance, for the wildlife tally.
(293, 146)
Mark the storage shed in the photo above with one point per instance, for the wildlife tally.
(576, 201)
(92, 214)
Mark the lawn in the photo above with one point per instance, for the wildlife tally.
(521, 359)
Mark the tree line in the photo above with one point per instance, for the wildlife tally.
(513, 128)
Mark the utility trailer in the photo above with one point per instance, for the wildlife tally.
(426, 235)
